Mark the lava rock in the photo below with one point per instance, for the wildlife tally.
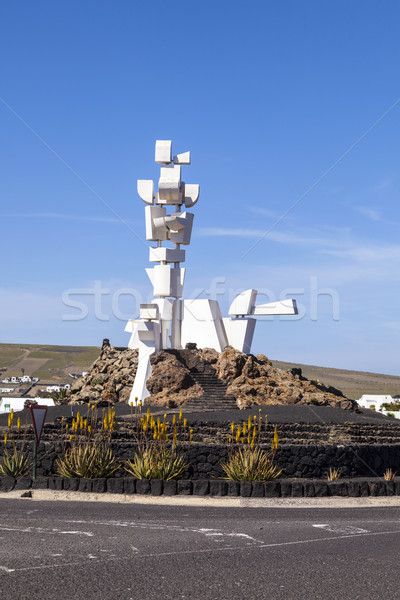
(185, 487)
(156, 487)
(23, 483)
(201, 487)
(7, 484)
(143, 486)
(99, 486)
(170, 487)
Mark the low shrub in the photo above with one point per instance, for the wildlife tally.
(389, 475)
(394, 405)
(333, 474)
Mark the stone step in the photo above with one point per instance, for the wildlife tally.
(214, 394)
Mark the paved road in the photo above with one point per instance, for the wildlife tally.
(56, 550)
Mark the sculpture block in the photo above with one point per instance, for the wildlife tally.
(239, 333)
(169, 185)
(182, 159)
(149, 312)
(202, 323)
(281, 307)
(163, 151)
(191, 194)
(171, 255)
(145, 188)
(182, 235)
(243, 303)
(167, 281)
(154, 215)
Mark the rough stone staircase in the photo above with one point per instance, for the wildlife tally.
(214, 397)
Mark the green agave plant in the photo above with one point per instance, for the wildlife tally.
(251, 464)
(87, 460)
(156, 463)
(15, 463)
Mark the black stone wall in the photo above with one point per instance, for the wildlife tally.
(308, 461)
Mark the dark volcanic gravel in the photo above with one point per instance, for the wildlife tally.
(276, 414)
(289, 414)
(299, 424)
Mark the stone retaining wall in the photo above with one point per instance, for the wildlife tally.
(307, 461)
(293, 488)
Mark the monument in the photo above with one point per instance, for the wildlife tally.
(170, 321)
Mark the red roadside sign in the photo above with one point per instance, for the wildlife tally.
(38, 414)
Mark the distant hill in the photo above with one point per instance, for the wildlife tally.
(45, 362)
(352, 383)
(55, 362)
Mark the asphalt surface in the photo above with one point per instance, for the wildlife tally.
(56, 550)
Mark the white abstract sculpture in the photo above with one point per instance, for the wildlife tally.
(169, 321)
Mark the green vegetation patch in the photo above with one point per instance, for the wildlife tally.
(59, 359)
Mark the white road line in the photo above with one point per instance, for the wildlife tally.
(340, 528)
(87, 533)
(149, 525)
(42, 530)
(6, 569)
(274, 545)
(202, 551)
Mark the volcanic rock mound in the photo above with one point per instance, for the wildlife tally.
(254, 380)
(175, 381)
(109, 378)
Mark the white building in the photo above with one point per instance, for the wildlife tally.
(375, 402)
(17, 404)
(53, 388)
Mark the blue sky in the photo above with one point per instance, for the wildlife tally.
(285, 106)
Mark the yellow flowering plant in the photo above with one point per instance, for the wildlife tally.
(14, 459)
(160, 443)
(87, 451)
(247, 459)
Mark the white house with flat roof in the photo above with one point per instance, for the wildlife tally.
(17, 404)
(375, 402)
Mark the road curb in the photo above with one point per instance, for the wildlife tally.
(285, 488)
